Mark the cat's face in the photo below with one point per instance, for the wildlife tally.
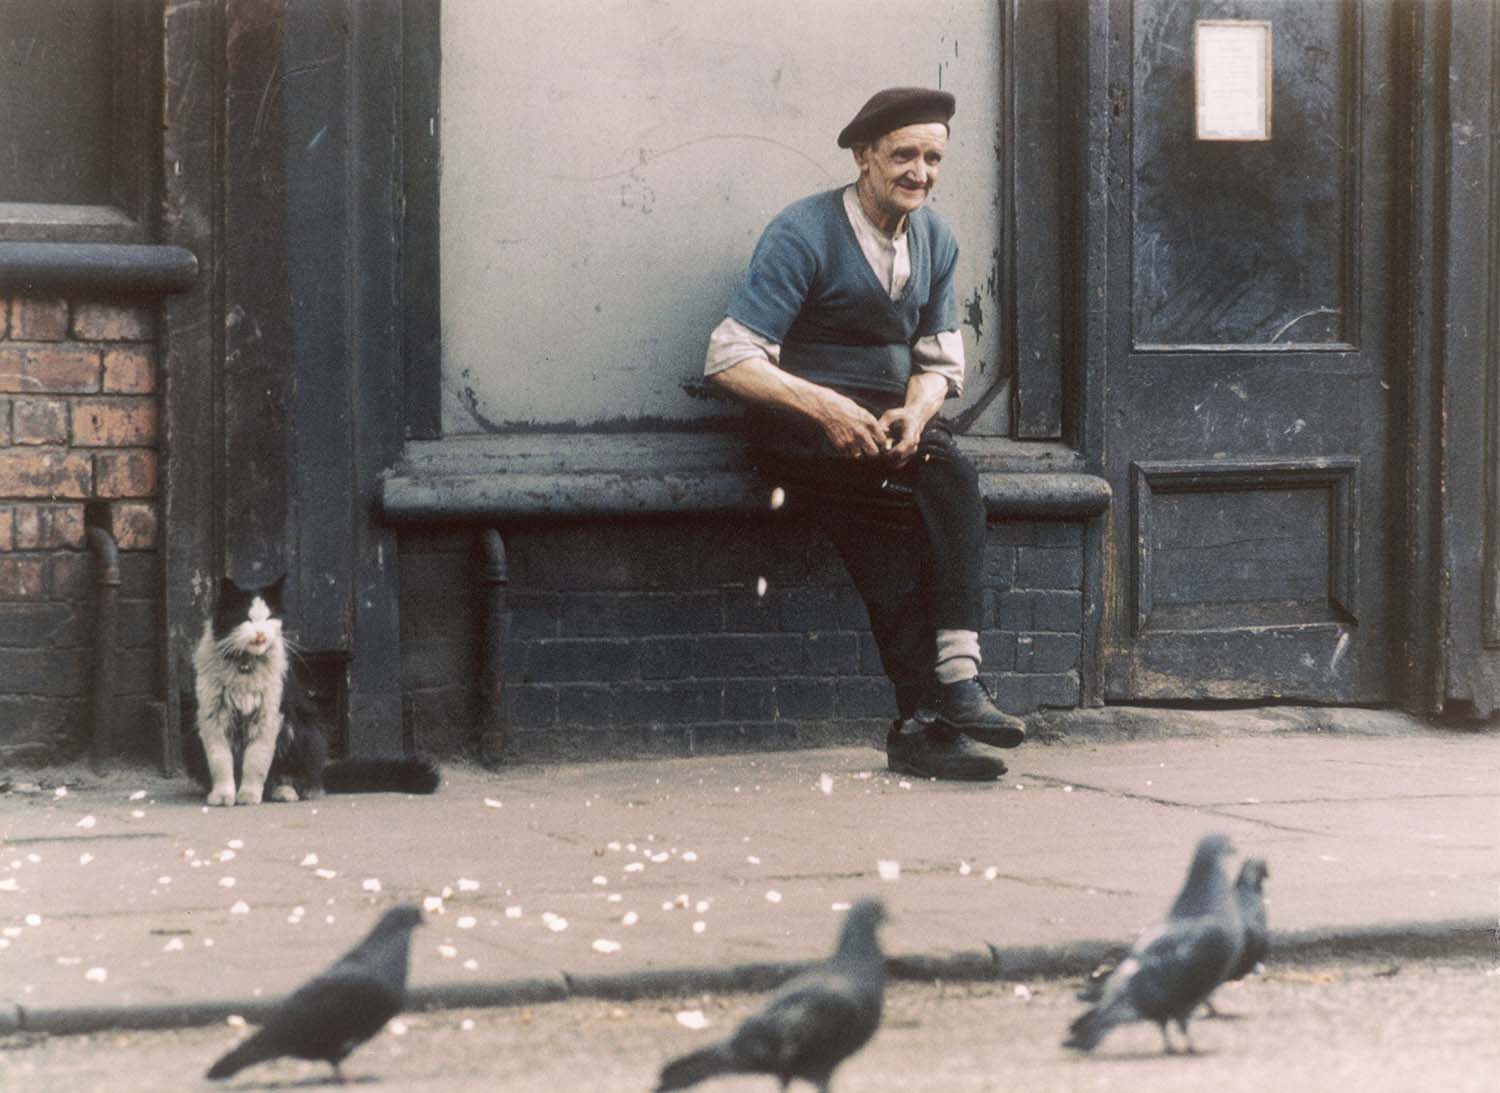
(247, 620)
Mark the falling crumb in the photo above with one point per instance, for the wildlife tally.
(773, 896)
(490, 802)
(234, 1020)
(397, 1026)
(614, 897)
(760, 586)
(467, 885)
(240, 908)
(1023, 992)
(839, 905)
(137, 814)
(699, 926)
(138, 795)
(889, 870)
(635, 867)
(467, 1024)
(465, 922)
(226, 882)
(556, 923)
(605, 945)
(991, 873)
(753, 860)
(85, 858)
(692, 1019)
(225, 855)
(60, 791)
(904, 784)
(825, 783)
(96, 975)
(513, 912)
(778, 498)
(9, 884)
(702, 906)
(432, 904)
(33, 919)
(689, 855)
(447, 952)
(87, 821)
(173, 945)
(630, 918)
(964, 869)
(310, 859)
(471, 965)
(326, 874)
(236, 844)
(1067, 789)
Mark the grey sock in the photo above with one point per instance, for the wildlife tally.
(957, 655)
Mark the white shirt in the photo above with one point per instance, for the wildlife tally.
(890, 257)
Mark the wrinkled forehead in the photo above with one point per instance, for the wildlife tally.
(926, 135)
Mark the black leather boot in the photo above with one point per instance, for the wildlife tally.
(966, 707)
(933, 751)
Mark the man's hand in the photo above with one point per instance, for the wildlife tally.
(903, 425)
(850, 428)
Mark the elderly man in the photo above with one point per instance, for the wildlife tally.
(843, 340)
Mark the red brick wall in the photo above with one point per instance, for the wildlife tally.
(78, 424)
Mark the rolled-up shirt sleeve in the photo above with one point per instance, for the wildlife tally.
(942, 353)
(732, 342)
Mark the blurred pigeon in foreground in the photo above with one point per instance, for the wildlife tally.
(1175, 965)
(811, 1024)
(1251, 899)
(1188, 904)
(332, 1014)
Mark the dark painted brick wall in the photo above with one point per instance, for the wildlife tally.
(650, 635)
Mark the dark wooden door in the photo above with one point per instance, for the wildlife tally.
(1251, 391)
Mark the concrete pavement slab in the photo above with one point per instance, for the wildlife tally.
(126, 892)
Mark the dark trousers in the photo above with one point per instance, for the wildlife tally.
(912, 540)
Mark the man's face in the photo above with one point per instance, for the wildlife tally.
(898, 171)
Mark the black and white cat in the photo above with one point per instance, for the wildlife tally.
(259, 732)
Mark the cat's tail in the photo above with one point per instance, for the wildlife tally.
(412, 774)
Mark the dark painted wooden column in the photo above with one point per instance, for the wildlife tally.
(375, 723)
(258, 360)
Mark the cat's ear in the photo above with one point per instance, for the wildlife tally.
(227, 588)
(272, 593)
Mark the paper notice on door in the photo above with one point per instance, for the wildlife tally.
(1232, 76)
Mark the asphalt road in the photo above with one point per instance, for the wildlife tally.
(1372, 1026)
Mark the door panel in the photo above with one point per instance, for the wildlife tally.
(1249, 402)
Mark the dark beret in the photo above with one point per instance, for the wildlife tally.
(893, 108)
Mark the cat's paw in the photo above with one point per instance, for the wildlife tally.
(248, 795)
(220, 797)
(284, 792)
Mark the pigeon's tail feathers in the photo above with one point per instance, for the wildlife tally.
(412, 774)
(254, 1050)
(696, 1066)
(1088, 1029)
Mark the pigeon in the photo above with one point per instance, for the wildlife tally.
(1251, 898)
(333, 1013)
(1188, 904)
(1252, 904)
(811, 1024)
(1175, 965)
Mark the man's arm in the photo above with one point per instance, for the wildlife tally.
(849, 427)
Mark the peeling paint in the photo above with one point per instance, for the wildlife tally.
(974, 314)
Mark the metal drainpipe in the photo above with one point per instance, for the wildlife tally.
(106, 609)
(494, 572)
